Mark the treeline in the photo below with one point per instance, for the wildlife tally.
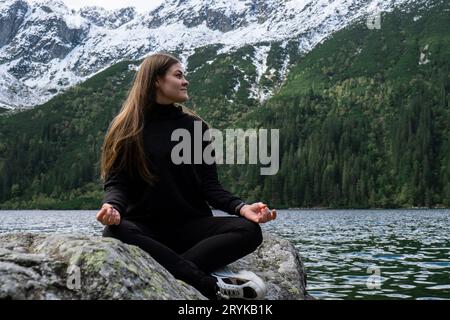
(358, 157)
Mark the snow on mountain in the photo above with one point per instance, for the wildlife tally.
(46, 47)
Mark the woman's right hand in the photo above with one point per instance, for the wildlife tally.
(108, 215)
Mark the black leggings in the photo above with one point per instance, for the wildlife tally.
(191, 250)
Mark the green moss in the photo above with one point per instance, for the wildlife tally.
(94, 260)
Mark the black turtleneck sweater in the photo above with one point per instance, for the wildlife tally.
(183, 190)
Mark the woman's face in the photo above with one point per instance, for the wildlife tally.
(173, 87)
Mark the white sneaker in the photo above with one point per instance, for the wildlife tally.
(241, 285)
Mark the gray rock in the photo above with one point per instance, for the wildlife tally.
(78, 266)
(279, 264)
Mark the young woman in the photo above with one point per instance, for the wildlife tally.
(162, 207)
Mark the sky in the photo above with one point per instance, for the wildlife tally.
(141, 5)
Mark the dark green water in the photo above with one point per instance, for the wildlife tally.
(348, 254)
(371, 254)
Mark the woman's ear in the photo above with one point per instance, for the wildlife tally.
(157, 81)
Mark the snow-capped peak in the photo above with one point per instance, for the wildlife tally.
(46, 47)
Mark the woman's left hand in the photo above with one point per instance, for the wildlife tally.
(258, 212)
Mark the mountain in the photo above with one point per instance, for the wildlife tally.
(363, 120)
(46, 48)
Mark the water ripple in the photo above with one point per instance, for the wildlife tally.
(343, 249)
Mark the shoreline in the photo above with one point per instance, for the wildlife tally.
(277, 208)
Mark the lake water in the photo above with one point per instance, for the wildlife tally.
(348, 254)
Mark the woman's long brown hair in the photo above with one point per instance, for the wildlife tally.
(123, 147)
